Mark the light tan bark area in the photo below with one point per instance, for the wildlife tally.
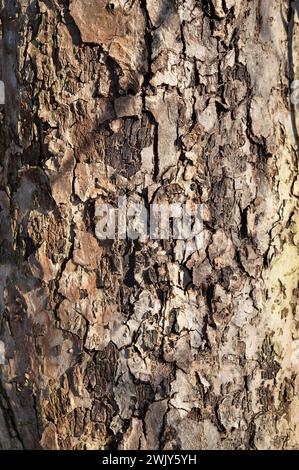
(146, 345)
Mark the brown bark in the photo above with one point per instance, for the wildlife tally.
(137, 345)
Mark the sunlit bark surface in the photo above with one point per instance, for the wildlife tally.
(146, 345)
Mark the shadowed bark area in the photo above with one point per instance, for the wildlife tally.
(149, 345)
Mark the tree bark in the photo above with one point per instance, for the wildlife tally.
(134, 345)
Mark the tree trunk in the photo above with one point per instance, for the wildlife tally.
(145, 345)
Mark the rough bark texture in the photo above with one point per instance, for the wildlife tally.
(141, 345)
